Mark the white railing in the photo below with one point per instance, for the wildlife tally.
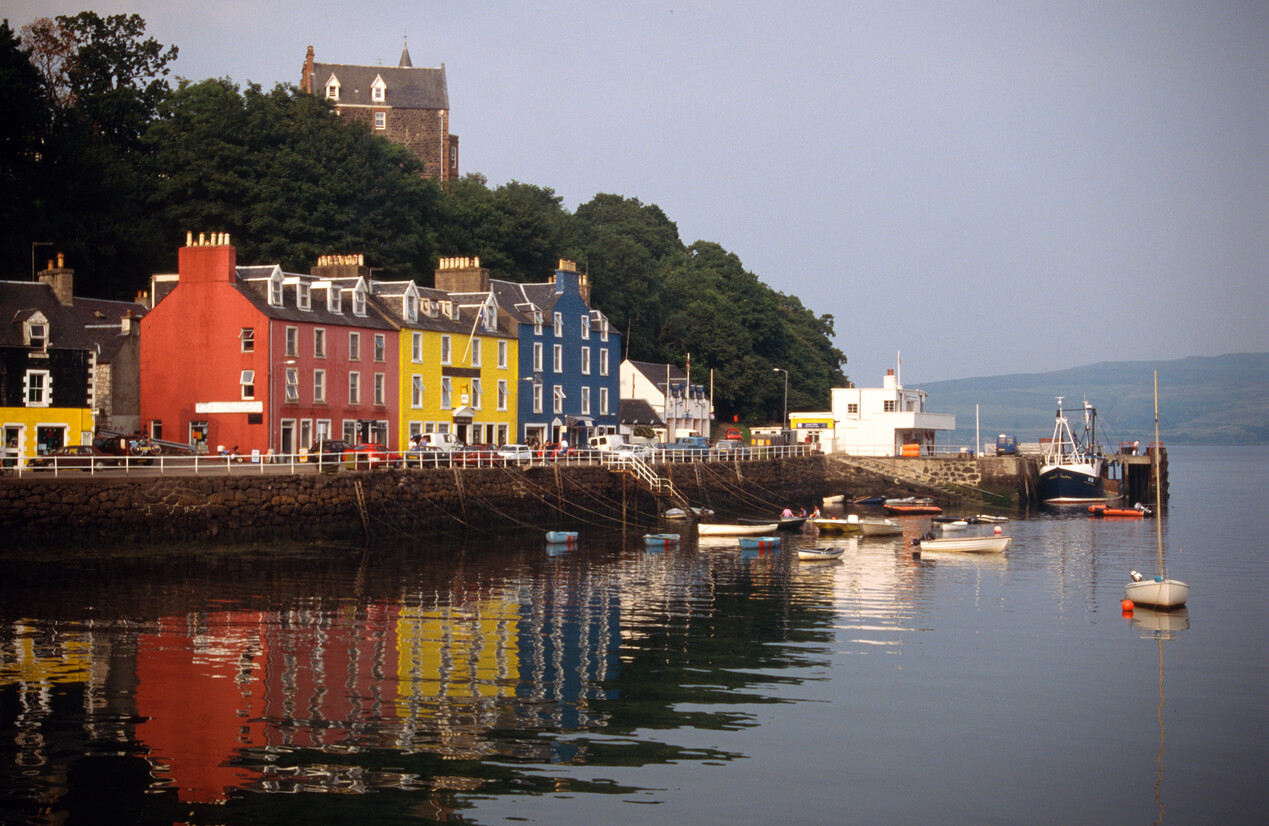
(169, 463)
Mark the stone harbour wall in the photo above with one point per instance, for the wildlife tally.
(38, 512)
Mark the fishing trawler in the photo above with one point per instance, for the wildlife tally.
(1071, 472)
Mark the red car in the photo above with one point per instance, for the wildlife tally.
(367, 455)
(84, 457)
(479, 456)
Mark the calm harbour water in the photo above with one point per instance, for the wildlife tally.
(487, 680)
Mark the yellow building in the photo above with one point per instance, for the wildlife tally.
(457, 367)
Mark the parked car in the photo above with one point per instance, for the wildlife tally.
(326, 451)
(422, 455)
(84, 457)
(625, 452)
(367, 455)
(733, 434)
(516, 454)
(484, 455)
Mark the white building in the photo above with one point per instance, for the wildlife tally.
(874, 421)
(685, 408)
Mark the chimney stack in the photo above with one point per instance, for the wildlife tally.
(62, 279)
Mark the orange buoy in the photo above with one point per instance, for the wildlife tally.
(997, 531)
(1127, 606)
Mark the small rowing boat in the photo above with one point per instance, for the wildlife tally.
(759, 543)
(966, 544)
(561, 537)
(819, 554)
(880, 527)
(661, 540)
(719, 529)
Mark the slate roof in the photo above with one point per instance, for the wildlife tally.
(253, 284)
(88, 323)
(406, 87)
(636, 412)
(655, 373)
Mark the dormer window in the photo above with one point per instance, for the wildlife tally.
(558, 322)
(35, 331)
(491, 319)
(359, 299)
(585, 328)
(431, 308)
(334, 299)
(303, 296)
(332, 89)
(537, 322)
(410, 307)
(447, 308)
(275, 289)
(603, 328)
(378, 90)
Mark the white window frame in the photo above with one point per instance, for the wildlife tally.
(354, 346)
(502, 394)
(332, 89)
(381, 121)
(416, 347)
(417, 389)
(585, 361)
(447, 393)
(381, 347)
(378, 91)
(537, 397)
(585, 401)
(557, 358)
(292, 341)
(502, 354)
(247, 339)
(557, 319)
(44, 378)
(319, 387)
(537, 322)
(537, 357)
(334, 299)
(359, 300)
(446, 349)
(292, 384)
(557, 399)
(247, 383)
(410, 307)
(476, 393)
(603, 362)
(319, 342)
(275, 289)
(354, 387)
(304, 296)
(475, 352)
(603, 401)
(585, 328)
(381, 389)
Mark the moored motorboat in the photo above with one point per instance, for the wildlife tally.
(834, 500)
(983, 517)
(965, 544)
(834, 525)
(561, 537)
(868, 500)
(1105, 511)
(1071, 470)
(759, 543)
(880, 527)
(819, 554)
(1156, 592)
(957, 525)
(721, 529)
(912, 509)
(661, 540)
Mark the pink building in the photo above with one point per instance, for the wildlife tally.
(260, 359)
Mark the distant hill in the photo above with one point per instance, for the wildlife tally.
(1202, 400)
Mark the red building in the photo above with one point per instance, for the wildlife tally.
(260, 359)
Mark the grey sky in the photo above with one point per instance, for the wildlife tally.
(989, 187)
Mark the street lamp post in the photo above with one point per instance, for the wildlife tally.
(784, 423)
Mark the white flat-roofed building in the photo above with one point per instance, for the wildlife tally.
(875, 421)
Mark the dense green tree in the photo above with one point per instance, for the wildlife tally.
(517, 229)
(626, 246)
(23, 131)
(288, 179)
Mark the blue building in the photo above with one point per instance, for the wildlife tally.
(569, 359)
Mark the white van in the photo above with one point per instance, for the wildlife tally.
(607, 442)
(447, 442)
